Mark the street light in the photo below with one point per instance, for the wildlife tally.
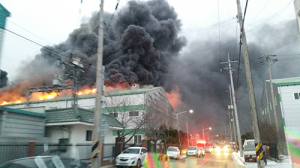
(189, 111)
(205, 129)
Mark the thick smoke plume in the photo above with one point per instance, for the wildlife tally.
(139, 42)
(204, 87)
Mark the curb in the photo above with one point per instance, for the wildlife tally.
(239, 158)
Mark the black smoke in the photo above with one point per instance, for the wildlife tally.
(203, 86)
(3, 78)
(139, 42)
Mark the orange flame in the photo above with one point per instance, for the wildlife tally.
(174, 97)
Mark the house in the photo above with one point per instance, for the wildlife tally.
(74, 126)
(287, 102)
(125, 105)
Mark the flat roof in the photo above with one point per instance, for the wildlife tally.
(108, 94)
(286, 81)
(23, 112)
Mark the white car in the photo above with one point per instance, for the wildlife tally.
(193, 151)
(173, 152)
(132, 156)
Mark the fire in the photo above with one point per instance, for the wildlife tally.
(14, 95)
(174, 97)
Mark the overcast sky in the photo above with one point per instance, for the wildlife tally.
(49, 22)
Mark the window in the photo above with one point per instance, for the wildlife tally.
(114, 114)
(137, 139)
(89, 134)
(296, 96)
(133, 113)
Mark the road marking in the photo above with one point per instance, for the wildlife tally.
(206, 160)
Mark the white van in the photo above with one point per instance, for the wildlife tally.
(249, 150)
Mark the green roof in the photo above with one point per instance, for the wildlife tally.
(3, 14)
(130, 132)
(76, 114)
(286, 81)
(22, 112)
(131, 91)
(73, 114)
(112, 121)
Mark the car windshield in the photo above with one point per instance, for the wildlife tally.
(172, 149)
(192, 148)
(131, 150)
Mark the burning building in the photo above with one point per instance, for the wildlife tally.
(128, 106)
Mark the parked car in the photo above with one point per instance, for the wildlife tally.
(249, 150)
(173, 152)
(132, 156)
(45, 161)
(193, 151)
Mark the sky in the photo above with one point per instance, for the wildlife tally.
(205, 24)
(49, 22)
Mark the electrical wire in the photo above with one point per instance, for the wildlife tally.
(48, 48)
(260, 11)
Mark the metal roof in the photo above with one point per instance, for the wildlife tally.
(22, 112)
(76, 114)
(286, 81)
(113, 93)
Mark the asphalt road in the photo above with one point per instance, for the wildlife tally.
(214, 160)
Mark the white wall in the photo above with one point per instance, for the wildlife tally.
(290, 106)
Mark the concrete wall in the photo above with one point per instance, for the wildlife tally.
(290, 106)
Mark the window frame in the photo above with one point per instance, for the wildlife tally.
(88, 135)
(132, 113)
(294, 95)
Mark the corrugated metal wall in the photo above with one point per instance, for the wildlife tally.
(20, 125)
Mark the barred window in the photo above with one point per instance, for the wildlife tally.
(133, 113)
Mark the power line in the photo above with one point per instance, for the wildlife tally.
(28, 31)
(260, 11)
(47, 48)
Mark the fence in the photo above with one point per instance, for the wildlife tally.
(10, 151)
(14, 150)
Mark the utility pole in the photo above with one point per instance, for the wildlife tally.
(258, 145)
(187, 133)
(96, 146)
(267, 60)
(233, 118)
(230, 129)
(234, 104)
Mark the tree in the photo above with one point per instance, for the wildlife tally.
(127, 109)
(247, 135)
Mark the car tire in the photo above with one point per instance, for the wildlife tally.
(139, 164)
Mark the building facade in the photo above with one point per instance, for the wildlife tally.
(130, 107)
(287, 101)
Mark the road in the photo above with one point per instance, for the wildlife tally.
(214, 160)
